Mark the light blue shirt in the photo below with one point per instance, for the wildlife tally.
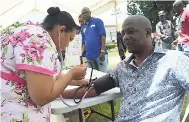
(154, 91)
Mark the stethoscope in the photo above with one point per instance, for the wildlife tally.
(90, 85)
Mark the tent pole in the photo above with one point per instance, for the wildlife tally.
(115, 4)
(35, 5)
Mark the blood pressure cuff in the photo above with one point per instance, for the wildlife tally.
(103, 84)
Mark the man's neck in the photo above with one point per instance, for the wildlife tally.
(88, 20)
(140, 57)
(181, 12)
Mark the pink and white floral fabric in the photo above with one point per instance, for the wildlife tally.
(29, 47)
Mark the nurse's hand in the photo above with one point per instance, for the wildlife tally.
(78, 72)
(83, 82)
(79, 82)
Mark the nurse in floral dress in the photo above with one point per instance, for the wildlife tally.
(29, 60)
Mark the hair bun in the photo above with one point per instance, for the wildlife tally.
(53, 10)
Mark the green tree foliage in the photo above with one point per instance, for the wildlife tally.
(150, 9)
(11, 27)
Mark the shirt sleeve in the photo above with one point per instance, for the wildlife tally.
(158, 29)
(115, 74)
(37, 53)
(182, 70)
(185, 15)
(101, 27)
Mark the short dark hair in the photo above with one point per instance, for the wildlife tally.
(178, 4)
(79, 16)
(57, 17)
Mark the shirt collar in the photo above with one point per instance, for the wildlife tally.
(133, 64)
(160, 50)
(92, 18)
(156, 51)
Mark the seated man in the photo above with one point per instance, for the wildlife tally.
(152, 82)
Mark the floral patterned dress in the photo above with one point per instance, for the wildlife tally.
(29, 47)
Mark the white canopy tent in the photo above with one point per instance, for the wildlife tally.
(19, 10)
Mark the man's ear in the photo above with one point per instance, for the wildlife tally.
(148, 32)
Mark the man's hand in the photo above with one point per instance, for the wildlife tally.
(102, 56)
(164, 37)
(175, 43)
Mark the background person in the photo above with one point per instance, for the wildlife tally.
(82, 29)
(94, 36)
(183, 26)
(166, 31)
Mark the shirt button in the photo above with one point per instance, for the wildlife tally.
(137, 76)
(135, 89)
(129, 103)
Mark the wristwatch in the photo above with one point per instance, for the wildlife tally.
(102, 51)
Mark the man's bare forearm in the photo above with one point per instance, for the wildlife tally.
(103, 41)
(83, 48)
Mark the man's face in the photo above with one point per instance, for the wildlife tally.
(162, 17)
(81, 21)
(86, 14)
(134, 37)
(177, 10)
